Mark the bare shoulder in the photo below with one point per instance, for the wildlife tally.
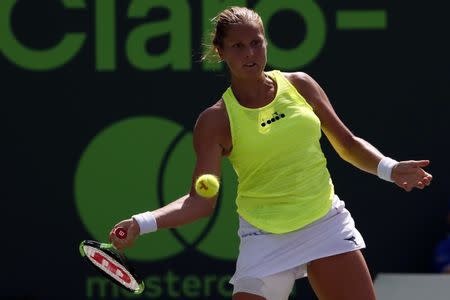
(214, 117)
(307, 87)
(301, 80)
(212, 126)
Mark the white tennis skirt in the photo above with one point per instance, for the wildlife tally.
(262, 254)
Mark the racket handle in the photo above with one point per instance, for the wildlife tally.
(121, 233)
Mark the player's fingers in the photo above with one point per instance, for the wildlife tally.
(421, 163)
(421, 173)
(406, 186)
(122, 245)
(426, 180)
(112, 236)
(118, 244)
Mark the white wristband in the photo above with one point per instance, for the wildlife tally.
(384, 169)
(146, 221)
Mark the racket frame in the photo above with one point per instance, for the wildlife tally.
(115, 254)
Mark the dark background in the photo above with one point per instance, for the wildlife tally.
(388, 86)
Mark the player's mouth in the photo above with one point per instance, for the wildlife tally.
(250, 65)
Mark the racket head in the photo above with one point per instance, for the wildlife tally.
(112, 264)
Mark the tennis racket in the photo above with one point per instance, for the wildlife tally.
(111, 263)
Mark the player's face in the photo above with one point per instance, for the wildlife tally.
(244, 50)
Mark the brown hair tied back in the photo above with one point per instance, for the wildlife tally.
(221, 22)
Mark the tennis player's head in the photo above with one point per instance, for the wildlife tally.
(238, 39)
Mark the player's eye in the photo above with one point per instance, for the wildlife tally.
(256, 43)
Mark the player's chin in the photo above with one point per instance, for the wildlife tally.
(250, 71)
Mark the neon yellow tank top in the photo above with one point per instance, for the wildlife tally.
(283, 181)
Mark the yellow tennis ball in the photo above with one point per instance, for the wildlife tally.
(207, 185)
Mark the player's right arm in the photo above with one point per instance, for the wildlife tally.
(208, 151)
(208, 144)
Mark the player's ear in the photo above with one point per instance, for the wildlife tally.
(219, 51)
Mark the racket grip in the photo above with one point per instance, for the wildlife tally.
(121, 233)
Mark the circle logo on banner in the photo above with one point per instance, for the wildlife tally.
(141, 164)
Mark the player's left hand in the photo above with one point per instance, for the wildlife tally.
(410, 174)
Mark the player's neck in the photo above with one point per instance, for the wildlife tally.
(254, 92)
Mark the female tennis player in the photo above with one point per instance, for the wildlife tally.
(292, 224)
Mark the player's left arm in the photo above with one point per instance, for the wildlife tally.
(353, 149)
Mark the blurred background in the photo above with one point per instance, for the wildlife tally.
(99, 98)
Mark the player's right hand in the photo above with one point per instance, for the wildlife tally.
(132, 229)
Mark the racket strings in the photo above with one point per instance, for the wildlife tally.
(111, 266)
